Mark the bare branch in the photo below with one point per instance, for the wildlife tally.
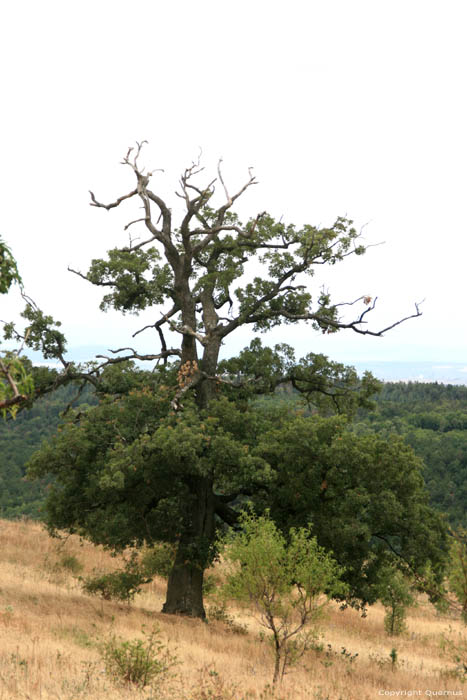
(95, 203)
(229, 201)
(335, 324)
(158, 324)
(84, 277)
(186, 330)
(136, 221)
(135, 356)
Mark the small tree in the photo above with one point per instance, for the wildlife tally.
(283, 579)
(395, 594)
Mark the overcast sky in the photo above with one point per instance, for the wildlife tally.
(343, 107)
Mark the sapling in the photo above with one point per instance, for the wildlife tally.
(284, 579)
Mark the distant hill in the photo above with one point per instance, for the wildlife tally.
(386, 370)
(442, 372)
(21, 437)
(432, 418)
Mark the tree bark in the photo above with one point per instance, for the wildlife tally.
(185, 588)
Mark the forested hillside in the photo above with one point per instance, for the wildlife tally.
(432, 418)
(19, 438)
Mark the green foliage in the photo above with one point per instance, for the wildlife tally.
(43, 334)
(457, 570)
(365, 493)
(282, 579)
(395, 592)
(432, 419)
(137, 278)
(326, 386)
(15, 381)
(16, 384)
(20, 438)
(138, 662)
(8, 268)
(71, 563)
(142, 454)
(158, 560)
(118, 585)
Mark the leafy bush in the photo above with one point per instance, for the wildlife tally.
(118, 585)
(137, 662)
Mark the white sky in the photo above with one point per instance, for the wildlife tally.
(343, 107)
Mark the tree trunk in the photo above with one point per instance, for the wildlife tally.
(277, 665)
(185, 585)
(185, 589)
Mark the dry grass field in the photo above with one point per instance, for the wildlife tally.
(51, 632)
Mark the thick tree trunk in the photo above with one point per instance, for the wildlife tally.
(185, 585)
(185, 589)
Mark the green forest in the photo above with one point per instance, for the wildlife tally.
(431, 418)
(19, 439)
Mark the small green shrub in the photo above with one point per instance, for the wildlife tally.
(138, 661)
(71, 563)
(118, 585)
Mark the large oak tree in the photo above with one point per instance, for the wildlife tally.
(169, 454)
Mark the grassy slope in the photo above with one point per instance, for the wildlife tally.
(49, 629)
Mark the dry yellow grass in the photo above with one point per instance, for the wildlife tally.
(49, 630)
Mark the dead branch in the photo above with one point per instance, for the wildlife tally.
(95, 203)
(135, 356)
(136, 221)
(229, 201)
(186, 330)
(339, 325)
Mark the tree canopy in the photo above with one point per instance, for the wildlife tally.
(170, 454)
